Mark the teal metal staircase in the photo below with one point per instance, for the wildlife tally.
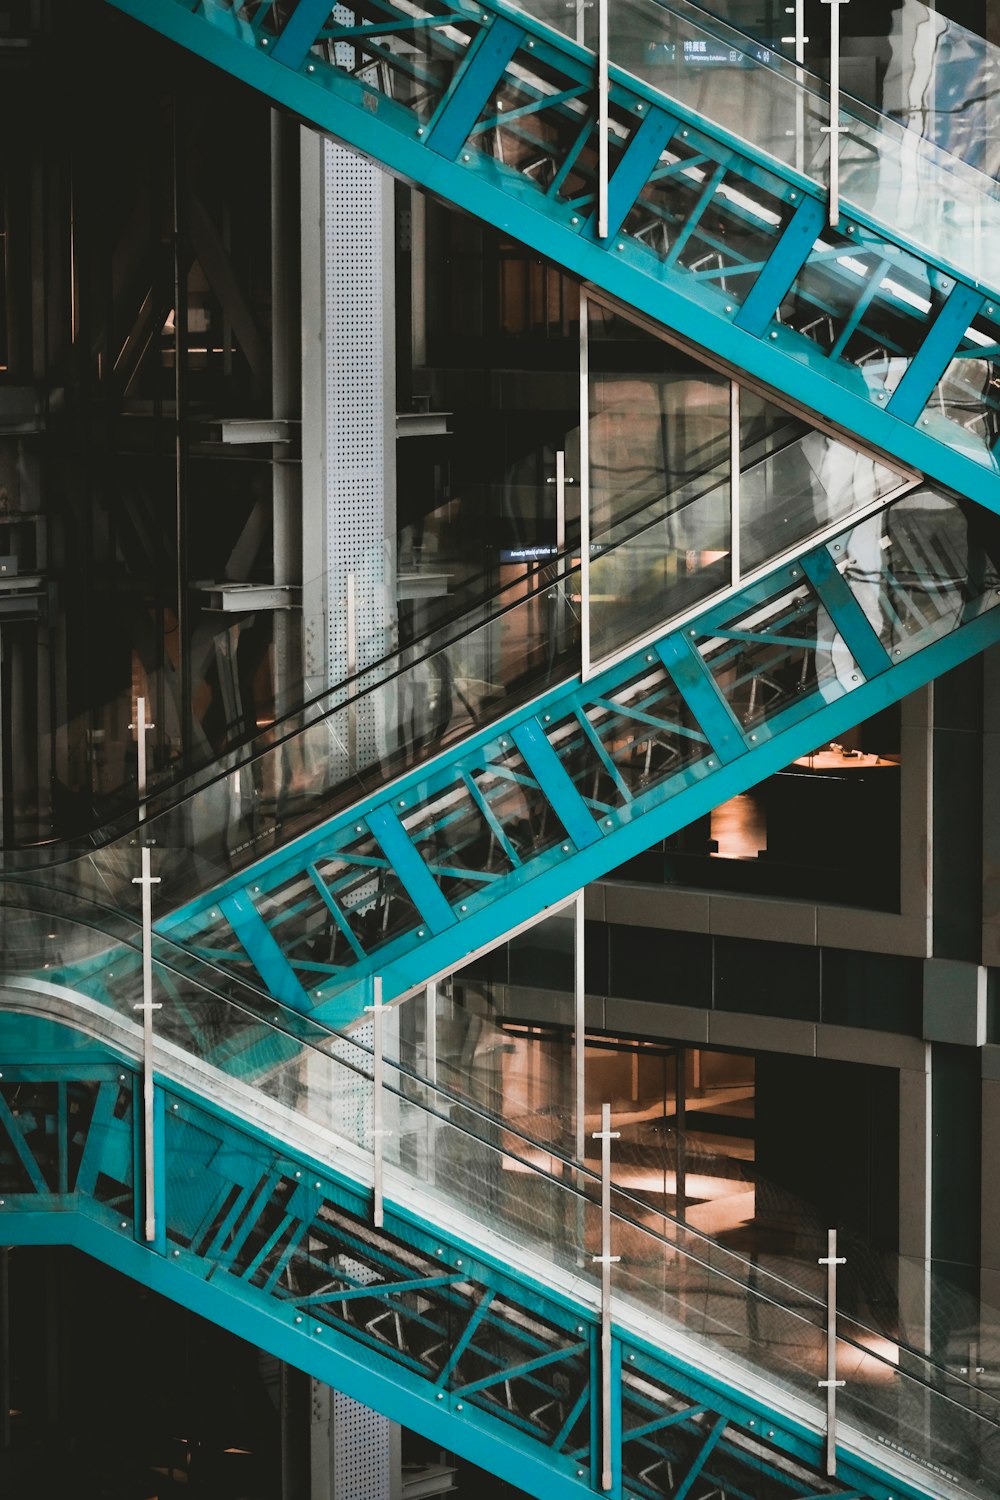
(263, 1121)
(293, 878)
(404, 867)
(485, 1334)
(890, 333)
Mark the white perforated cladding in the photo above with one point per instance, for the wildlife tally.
(355, 375)
(362, 1452)
(350, 1093)
(343, 51)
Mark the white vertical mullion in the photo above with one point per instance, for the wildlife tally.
(146, 879)
(734, 481)
(833, 129)
(561, 501)
(378, 1130)
(430, 1031)
(584, 489)
(579, 1030)
(800, 91)
(603, 120)
(607, 1456)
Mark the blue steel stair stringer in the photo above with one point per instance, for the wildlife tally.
(434, 1329)
(576, 782)
(912, 344)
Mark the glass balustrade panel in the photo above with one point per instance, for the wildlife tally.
(703, 1293)
(800, 487)
(331, 763)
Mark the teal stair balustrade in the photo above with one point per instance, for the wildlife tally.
(887, 325)
(405, 866)
(473, 1313)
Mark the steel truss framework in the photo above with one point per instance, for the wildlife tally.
(708, 233)
(449, 857)
(406, 1318)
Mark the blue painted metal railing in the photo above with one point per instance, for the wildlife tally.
(405, 866)
(485, 1334)
(718, 238)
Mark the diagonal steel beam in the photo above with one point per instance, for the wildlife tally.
(515, 1372)
(300, 31)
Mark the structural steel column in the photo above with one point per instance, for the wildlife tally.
(348, 416)
(348, 526)
(355, 1452)
(286, 394)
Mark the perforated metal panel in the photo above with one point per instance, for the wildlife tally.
(362, 1452)
(354, 1451)
(343, 51)
(350, 1094)
(359, 381)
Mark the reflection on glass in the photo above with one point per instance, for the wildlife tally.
(412, 65)
(702, 63)
(642, 735)
(316, 1251)
(943, 81)
(897, 174)
(458, 1167)
(801, 486)
(775, 653)
(922, 569)
(496, 1034)
(659, 481)
(660, 497)
(968, 393)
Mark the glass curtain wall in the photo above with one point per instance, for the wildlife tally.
(135, 319)
(660, 497)
(696, 481)
(703, 1136)
(135, 512)
(488, 360)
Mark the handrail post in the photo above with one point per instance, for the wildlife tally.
(831, 1384)
(579, 1029)
(606, 1260)
(834, 129)
(351, 664)
(579, 7)
(378, 1132)
(585, 661)
(603, 119)
(584, 487)
(560, 591)
(799, 39)
(735, 439)
(146, 879)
